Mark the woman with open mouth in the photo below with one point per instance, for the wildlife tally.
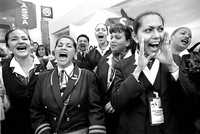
(180, 40)
(149, 97)
(189, 61)
(121, 47)
(66, 98)
(20, 74)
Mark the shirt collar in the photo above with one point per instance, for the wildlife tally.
(152, 73)
(102, 52)
(128, 54)
(185, 52)
(67, 69)
(136, 57)
(109, 61)
(18, 69)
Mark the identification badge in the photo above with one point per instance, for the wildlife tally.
(156, 110)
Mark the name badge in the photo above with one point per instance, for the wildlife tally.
(156, 110)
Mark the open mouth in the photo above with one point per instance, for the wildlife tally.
(63, 55)
(21, 48)
(112, 45)
(153, 45)
(82, 45)
(185, 41)
(100, 36)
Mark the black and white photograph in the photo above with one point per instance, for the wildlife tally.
(99, 67)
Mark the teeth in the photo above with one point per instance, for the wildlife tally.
(185, 41)
(62, 55)
(21, 48)
(100, 36)
(153, 44)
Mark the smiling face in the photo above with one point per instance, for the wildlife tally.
(151, 30)
(41, 51)
(64, 52)
(118, 42)
(19, 43)
(83, 44)
(101, 33)
(181, 39)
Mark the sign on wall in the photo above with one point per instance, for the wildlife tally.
(46, 12)
(26, 15)
(3, 30)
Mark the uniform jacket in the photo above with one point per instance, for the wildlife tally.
(102, 76)
(83, 111)
(106, 91)
(191, 105)
(91, 59)
(130, 99)
(20, 95)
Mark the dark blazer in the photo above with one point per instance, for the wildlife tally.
(102, 76)
(191, 101)
(106, 90)
(18, 116)
(91, 59)
(130, 99)
(83, 62)
(84, 107)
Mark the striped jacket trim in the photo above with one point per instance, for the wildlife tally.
(97, 129)
(42, 127)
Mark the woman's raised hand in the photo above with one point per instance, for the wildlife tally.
(142, 60)
(165, 54)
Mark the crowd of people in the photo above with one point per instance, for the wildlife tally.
(140, 81)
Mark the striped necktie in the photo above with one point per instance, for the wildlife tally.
(63, 80)
(150, 63)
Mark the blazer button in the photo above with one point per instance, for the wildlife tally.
(78, 105)
(54, 118)
(67, 118)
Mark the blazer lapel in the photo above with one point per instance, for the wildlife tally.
(72, 81)
(34, 74)
(15, 75)
(163, 78)
(112, 79)
(55, 87)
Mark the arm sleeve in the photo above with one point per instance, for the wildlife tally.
(185, 84)
(125, 90)
(96, 111)
(39, 123)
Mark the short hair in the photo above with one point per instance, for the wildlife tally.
(102, 24)
(176, 30)
(12, 30)
(127, 32)
(137, 22)
(83, 35)
(68, 37)
(121, 28)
